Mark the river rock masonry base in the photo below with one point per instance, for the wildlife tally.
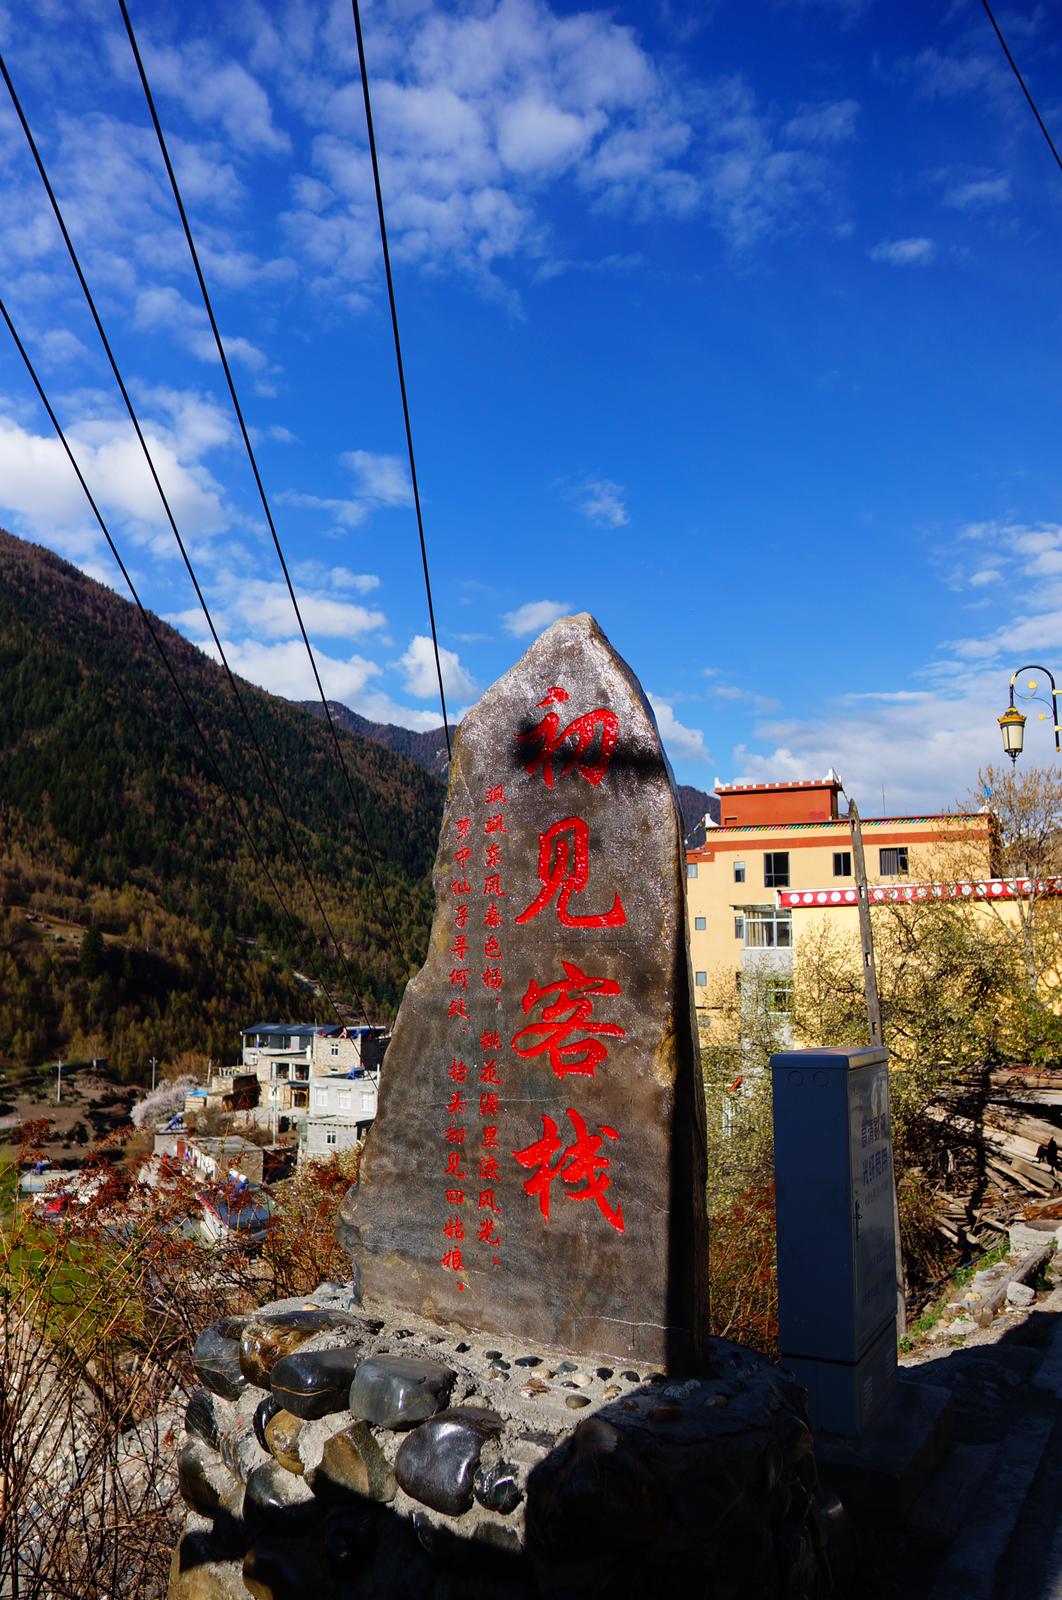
(402, 1461)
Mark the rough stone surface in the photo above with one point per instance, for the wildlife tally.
(597, 1110)
(720, 1499)
(435, 1465)
(1020, 1294)
(397, 1391)
(311, 1383)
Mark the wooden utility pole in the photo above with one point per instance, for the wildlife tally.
(866, 932)
(870, 995)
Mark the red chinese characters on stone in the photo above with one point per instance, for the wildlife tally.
(570, 1012)
(564, 870)
(580, 1163)
(581, 731)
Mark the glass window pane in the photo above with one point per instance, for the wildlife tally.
(700, 923)
(691, 869)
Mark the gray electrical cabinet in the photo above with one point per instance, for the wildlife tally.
(836, 1231)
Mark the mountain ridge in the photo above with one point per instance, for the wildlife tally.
(110, 815)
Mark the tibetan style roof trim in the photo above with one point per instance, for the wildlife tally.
(834, 824)
(907, 893)
(830, 782)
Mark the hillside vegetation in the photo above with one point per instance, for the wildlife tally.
(110, 817)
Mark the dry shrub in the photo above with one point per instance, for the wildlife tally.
(743, 1281)
(302, 1251)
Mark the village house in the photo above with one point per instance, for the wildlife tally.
(781, 859)
(286, 1055)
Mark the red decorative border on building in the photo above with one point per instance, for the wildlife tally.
(907, 893)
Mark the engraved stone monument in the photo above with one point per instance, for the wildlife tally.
(543, 1081)
(516, 1396)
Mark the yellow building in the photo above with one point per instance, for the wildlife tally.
(781, 860)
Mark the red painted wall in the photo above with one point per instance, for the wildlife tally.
(782, 803)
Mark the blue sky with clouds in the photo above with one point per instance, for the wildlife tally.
(738, 326)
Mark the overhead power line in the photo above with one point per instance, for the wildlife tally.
(401, 367)
(300, 931)
(1024, 88)
(134, 419)
(252, 458)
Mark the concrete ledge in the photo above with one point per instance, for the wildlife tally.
(883, 1472)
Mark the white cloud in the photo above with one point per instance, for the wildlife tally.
(830, 123)
(418, 664)
(680, 742)
(318, 575)
(533, 616)
(382, 480)
(904, 252)
(215, 91)
(602, 502)
(39, 491)
(978, 194)
(284, 669)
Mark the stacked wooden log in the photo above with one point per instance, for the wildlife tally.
(1003, 1140)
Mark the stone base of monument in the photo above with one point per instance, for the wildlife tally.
(881, 1473)
(335, 1454)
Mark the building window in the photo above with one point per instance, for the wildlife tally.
(331, 1136)
(776, 869)
(778, 996)
(333, 1049)
(768, 929)
(700, 979)
(739, 927)
(842, 863)
(739, 872)
(893, 861)
(700, 923)
(691, 869)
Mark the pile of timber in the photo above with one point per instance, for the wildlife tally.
(1004, 1142)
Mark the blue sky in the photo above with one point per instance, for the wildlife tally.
(735, 325)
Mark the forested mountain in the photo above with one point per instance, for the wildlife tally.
(110, 816)
(428, 750)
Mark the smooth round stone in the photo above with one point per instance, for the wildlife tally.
(567, 1366)
(605, 1373)
(239, 1448)
(492, 1355)
(630, 1377)
(282, 1440)
(613, 1392)
(276, 1501)
(352, 1464)
(216, 1358)
(435, 1464)
(496, 1487)
(575, 1402)
(529, 1361)
(200, 1418)
(582, 1380)
(501, 1366)
(266, 1408)
(314, 1383)
(265, 1340)
(399, 1391)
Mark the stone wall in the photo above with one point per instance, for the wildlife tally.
(333, 1456)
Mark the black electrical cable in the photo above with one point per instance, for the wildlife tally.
(1021, 80)
(134, 419)
(398, 359)
(300, 931)
(252, 458)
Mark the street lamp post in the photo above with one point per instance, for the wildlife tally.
(1012, 722)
